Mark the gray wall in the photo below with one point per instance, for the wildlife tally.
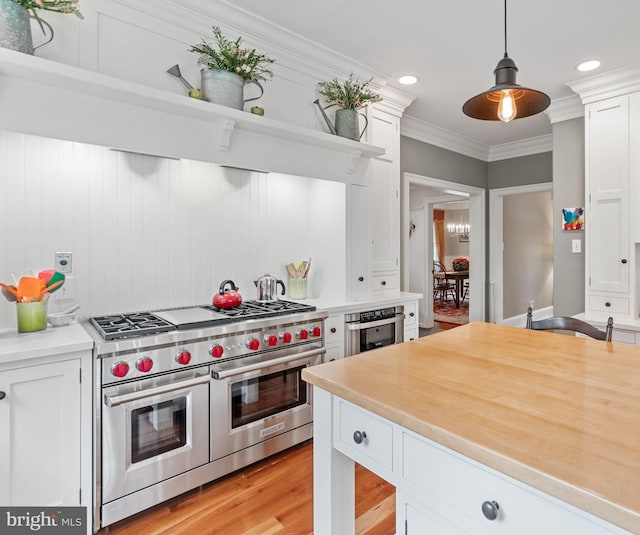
(532, 169)
(528, 252)
(433, 162)
(568, 192)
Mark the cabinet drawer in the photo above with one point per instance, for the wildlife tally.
(334, 330)
(385, 282)
(450, 481)
(410, 314)
(601, 303)
(376, 449)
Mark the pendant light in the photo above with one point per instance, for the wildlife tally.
(506, 100)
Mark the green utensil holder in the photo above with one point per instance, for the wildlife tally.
(297, 288)
(32, 317)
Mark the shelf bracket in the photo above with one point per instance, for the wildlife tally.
(228, 126)
(352, 159)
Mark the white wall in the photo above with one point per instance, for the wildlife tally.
(149, 233)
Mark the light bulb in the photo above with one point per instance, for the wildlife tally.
(507, 106)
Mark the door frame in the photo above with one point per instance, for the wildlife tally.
(477, 218)
(496, 227)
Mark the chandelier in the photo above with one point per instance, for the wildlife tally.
(455, 229)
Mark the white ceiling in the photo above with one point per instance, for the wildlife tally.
(453, 47)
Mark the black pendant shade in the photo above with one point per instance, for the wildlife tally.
(525, 102)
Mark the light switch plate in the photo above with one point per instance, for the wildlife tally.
(63, 262)
(576, 246)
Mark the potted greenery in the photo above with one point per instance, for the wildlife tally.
(227, 67)
(15, 27)
(350, 96)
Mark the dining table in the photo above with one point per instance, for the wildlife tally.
(458, 277)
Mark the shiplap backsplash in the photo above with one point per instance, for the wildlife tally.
(148, 233)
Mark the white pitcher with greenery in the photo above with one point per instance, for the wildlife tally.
(227, 68)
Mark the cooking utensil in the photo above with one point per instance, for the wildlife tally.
(291, 270)
(46, 274)
(268, 288)
(56, 277)
(10, 292)
(30, 288)
(49, 289)
(227, 298)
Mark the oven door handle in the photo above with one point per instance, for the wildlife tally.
(358, 326)
(114, 401)
(224, 374)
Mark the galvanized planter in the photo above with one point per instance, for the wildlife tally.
(347, 124)
(226, 88)
(15, 28)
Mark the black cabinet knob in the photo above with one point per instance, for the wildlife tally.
(607, 304)
(359, 436)
(490, 509)
(411, 314)
(333, 330)
(624, 260)
(2, 395)
(361, 279)
(383, 283)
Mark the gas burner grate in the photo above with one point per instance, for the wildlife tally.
(126, 325)
(257, 309)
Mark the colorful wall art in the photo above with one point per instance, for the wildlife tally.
(572, 218)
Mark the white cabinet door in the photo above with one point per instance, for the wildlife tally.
(384, 191)
(608, 187)
(358, 274)
(40, 437)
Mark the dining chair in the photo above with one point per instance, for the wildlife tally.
(565, 323)
(465, 287)
(441, 285)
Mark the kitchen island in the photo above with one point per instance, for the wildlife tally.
(484, 429)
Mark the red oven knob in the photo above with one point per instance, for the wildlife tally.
(144, 364)
(270, 340)
(183, 357)
(285, 337)
(216, 351)
(302, 334)
(316, 331)
(120, 369)
(253, 344)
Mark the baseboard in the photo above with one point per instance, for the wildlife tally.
(521, 319)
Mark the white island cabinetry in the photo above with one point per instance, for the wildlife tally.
(46, 419)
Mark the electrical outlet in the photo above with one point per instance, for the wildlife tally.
(576, 246)
(63, 262)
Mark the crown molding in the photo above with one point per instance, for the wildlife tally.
(525, 147)
(440, 137)
(564, 109)
(608, 84)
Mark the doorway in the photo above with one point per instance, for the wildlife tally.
(539, 248)
(417, 257)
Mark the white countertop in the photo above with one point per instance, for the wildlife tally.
(15, 346)
(336, 306)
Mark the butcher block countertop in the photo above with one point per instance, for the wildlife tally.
(557, 412)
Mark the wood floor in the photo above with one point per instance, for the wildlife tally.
(273, 496)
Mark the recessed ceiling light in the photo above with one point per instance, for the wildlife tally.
(588, 65)
(408, 79)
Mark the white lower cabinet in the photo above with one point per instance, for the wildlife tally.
(40, 439)
(334, 337)
(439, 491)
(411, 328)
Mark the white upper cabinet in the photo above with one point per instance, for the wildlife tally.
(607, 157)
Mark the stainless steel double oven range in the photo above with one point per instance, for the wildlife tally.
(187, 395)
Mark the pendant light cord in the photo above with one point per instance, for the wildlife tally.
(505, 29)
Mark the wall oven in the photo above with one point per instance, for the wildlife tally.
(372, 329)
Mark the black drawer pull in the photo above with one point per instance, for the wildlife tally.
(607, 304)
(2, 395)
(361, 279)
(333, 330)
(624, 260)
(359, 436)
